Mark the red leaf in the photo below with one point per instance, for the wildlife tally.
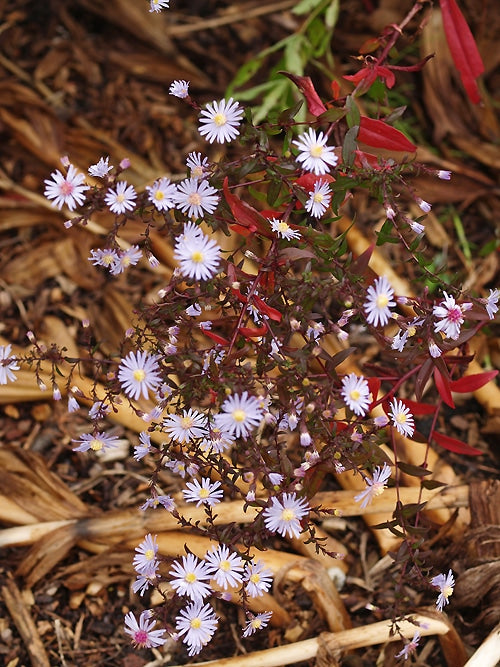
(218, 339)
(374, 386)
(418, 408)
(306, 87)
(443, 387)
(248, 332)
(454, 445)
(373, 132)
(472, 382)
(463, 48)
(272, 313)
(246, 217)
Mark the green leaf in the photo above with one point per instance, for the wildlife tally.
(353, 116)
(293, 57)
(350, 145)
(414, 471)
(305, 6)
(332, 115)
(332, 14)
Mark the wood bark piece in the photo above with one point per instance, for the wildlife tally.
(24, 623)
(485, 519)
(487, 655)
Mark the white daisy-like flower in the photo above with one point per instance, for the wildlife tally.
(125, 259)
(217, 440)
(284, 516)
(379, 302)
(319, 199)
(444, 174)
(144, 446)
(190, 577)
(434, 350)
(258, 579)
(97, 442)
(256, 622)
(451, 316)
(8, 364)
(138, 373)
(105, 257)
(179, 88)
(158, 5)
(193, 197)
(198, 165)
(162, 194)
(66, 190)
(122, 198)
(402, 418)
(410, 647)
(207, 493)
(445, 583)
(283, 229)
(424, 205)
(240, 415)
(225, 566)
(314, 154)
(197, 622)
(219, 121)
(491, 303)
(192, 424)
(145, 561)
(142, 633)
(399, 340)
(374, 486)
(198, 256)
(101, 169)
(355, 392)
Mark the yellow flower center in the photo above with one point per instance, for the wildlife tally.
(197, 256)
(400, 418)
(190, 577)
(288, 515)
(197, 172)
(220, 119)
(256, 623)
(186, 422)
(355, 395)
(255, 578)
(225, 565)
(96, 444)
(382, 301)
(204, 493)
(159, 195)
(195, 623)
(149, 555)
(318, 197)
(139, 375)
(120, 198)
(447, 591)
(283, 227)
(239, 415)
(194, 198)
(316, 151)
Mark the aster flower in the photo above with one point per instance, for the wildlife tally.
(162, 194)
(165, 501)
(402, 418)
(239, 415)
(138, 373)
(219, 121)
(284, 516)
(125, 259)
(451, 316)
(73, 404)
(179, 88)
(416, 227)
(434, 350)
(315, 155)
(106, 257)
(319, 199)
(97, 442)
(189, 577)
(256, 622)
(144, 446)
(145, 561)
(315, 330)
(425, 206)
(8, 364)
(143, 582)
(142, 633)
(225, 566)
(207, 493)
(66, 190)
(284, 230)
(258, 579)
(122, 198)
(399, 340)
(194, 310)
(409, 648)
(198, 165)
(379, 302)
(491, 303)
(194, 196)
(158, 5)
(374, 486)
(355, 392)
(192, 424)
(445, 583)
(444, 174)
(197, 623)
(217, 440)
(101, 169)
(99, 410)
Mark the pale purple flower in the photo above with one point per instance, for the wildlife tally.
(240, 415)
(356, 393)
(198, 623)
(179, 88)
(66, 190)
(125, 259)
(374, 486)
(425, 206)
(106, 257)
(225, 566)
(192, 424)
(258, 579)
(220, 121)
(158, 5)
(144, 446)
(217, 440)
(122, 198)
(142, 633)
(138, 373)
(319, 199)
(315, 330)
(97, 442)
(409, 648)
(284, 516)
(402, 418)
(165, 501)
(416, 226)
(145, 561)
(284, 230)
(379, 302)
(314, 154)
(162, 194)
(8, 364)
(434, 350)
(198, 165)
(143, 582)
(190, 577)
(198, 256)
(399, 340)
(207, 493)
(194, 197)
(101, 169)
(451, 316)
(444, 175)
(491, 303)
(256, 622)
(193, 310)
(445, 583)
